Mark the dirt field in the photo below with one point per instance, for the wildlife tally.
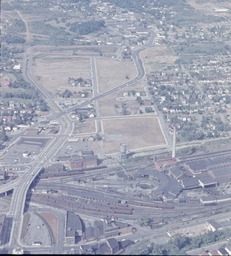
(54, 72)
(113, 72)
(135, 132)
(191, 231)
(52, 221)
(156, 54)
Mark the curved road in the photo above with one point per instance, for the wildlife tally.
(22, 184)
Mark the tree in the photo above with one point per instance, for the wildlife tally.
(3, 136)
(145, 221)
(66, 94)
(43, 106)
(86, 27)
(181, 241)
(148, 109)
(139, 100)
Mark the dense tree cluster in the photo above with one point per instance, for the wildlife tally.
(13, 39)
(180, 244)
(87, 27)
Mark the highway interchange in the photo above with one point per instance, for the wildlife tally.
(131, 211)
(20, 185)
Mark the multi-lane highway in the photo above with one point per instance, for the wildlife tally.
(22, 184)
(20, 190)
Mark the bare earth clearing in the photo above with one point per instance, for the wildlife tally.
(52, 221)
(135, 132)
(54, 69)
(54, 73)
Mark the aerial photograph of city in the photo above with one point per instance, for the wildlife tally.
(115, 127)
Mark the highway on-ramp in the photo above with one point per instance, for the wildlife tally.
(22, 184)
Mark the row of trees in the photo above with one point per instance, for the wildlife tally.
(180, 244)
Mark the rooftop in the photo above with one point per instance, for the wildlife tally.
(73, 225)
(176, 171)
(221, 172)
(190, 183)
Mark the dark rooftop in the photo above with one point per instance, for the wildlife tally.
(215, 224)
(221, 172)
(176, 171)
(125, 243)
(74, 225)
(197, 165)
(210, 162)
(190, 183)
(103, 249)
(206, 179)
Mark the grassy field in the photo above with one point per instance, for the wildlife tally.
(113, 72)
(106, 105)
(54, 72)
(156, 55)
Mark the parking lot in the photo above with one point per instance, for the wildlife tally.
(72, 148)
(35, 231)
(24, 151)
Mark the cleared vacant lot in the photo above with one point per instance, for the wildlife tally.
(52, 221)
(107, 104)
(53, 72)
(211, 8)
(84, 127)
(135, 132)
(156, 55)
(113, 72)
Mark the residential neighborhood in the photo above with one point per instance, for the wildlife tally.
(115, 127)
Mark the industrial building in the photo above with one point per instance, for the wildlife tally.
(74, 228)
(85, 159)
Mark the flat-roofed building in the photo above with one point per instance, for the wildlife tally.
(85, 159)
(206, 180)
(55, 168)
(113, 245)
(214, 199)
(222, 174)
(161, 164)
(190, 183)
(176, 172)
(74, 228)
(212, 225)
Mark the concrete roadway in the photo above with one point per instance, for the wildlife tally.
(140, 75)
(21, 186)
(19, 195)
